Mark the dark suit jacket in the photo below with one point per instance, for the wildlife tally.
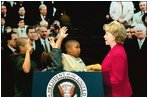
(137, 62)
(36, 55)
(11, 13)
(8, 51)
(7, 71)
(49, 17)
(26, 19)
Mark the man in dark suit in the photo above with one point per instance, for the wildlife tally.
(6, 67)
(11, 12)
(44, 15)
(136, 49)
(11, 43)
(6, 15)
(22, 15)
(3, 26)
(42, 44)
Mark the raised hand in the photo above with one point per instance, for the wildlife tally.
(52, 42)
(62, 35)
(63, 31)
(28, 45)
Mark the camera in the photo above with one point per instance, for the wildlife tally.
(56, 26)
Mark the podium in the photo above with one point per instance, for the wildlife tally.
(84, 84)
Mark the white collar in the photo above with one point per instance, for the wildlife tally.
(141, 40)
(11, 48)
(43, 41)
(42, 17)
(22, 16)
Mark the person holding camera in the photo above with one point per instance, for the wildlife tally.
(54, 29)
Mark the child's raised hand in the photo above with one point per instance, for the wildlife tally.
(63, 31)
(52, 42)
(28, 45)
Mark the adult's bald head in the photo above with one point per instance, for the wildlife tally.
(43, 32)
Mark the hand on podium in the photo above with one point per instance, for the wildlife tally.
(93, 67)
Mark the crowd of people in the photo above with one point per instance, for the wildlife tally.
(31, 41)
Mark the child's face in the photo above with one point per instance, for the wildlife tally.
(21, 23)
(74, 50)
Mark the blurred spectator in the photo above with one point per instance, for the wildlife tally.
(144, 19)
(43, 16)
(4, 14)
(10, 38)
(55, 29)
(22, 15)
(137, 18)
(3, 26)
(129, 31)
(31, 35)
(7, 69)
(22, 28)
(140, 33)
(23, 66)
(137, 58)
(8, 29)
(8, 12)
(122, 11)
(44, 23)
(42, 44)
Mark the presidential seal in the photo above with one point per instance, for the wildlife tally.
(66, 84)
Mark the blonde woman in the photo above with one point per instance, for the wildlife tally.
(115, 65)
